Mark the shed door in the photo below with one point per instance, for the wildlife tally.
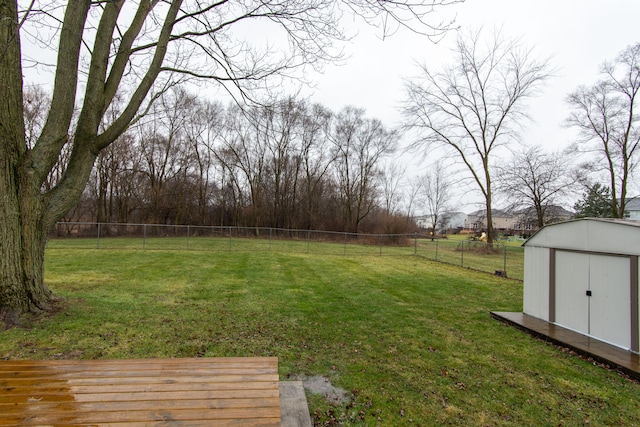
(610, 317)
(572, 280)
(606, 314)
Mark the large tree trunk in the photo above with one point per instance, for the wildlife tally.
(14, 294)
(23, 241)
(22, 235)
(25, 210)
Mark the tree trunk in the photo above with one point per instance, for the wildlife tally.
(540, 215)
(488, 199)
(21, 232)
(22, 241)
(25, 213)
(489, 221)
(23, 288)
(13, 295)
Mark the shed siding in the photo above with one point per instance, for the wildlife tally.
(635, 310)
(536, 282)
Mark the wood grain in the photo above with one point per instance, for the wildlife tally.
(185, 392)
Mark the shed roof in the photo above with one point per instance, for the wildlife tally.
(602, 235)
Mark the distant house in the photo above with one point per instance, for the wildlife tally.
(454, 220)
(632, 209)
(423, 221)
(502, 220)
(446, 221)
(527, 219)
(523, 221)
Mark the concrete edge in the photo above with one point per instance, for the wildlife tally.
(294, 410)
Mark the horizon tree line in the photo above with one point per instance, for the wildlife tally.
(292, 164)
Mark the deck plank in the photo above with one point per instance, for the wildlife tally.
(202, 391)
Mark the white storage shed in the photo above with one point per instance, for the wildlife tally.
(583, 275)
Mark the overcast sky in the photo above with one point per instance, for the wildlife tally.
(578, 35)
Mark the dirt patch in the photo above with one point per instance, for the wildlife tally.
(321, 385)
(56, 306)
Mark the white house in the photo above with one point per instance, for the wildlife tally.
(502, 220)
(632, 209)
(446, 220)
(583, 275)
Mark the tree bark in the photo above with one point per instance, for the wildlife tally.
(21, 231)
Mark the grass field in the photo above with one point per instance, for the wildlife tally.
(411, 340)
(455, 250)
(460, 251)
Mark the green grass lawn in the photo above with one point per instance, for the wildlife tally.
(475, 255)
(410, 339)
(455, 250)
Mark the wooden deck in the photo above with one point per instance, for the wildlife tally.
(149, 392)
(616, 357)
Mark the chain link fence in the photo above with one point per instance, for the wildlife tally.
(501, 258)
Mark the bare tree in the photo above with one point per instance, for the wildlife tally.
(436, 186)
(283, 137)
(606, 117)
(36, 106)
(166, 156)
(534, 179)
(412, 198)
(203, 130)
(244, 153)
(359, 144)
(475, 106)
(393, 175)
(111, 183)
(113, 180)
(317, 159)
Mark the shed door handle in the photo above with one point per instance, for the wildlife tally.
(588, 293)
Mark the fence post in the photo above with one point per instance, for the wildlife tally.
(98, 241)
(308, 239)
(270, 234)
(437, 249)
(505, 260)
(345, 243)
(187, 237)
(380, 243)
(144, 237)
(415, 243)
(462, 255)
